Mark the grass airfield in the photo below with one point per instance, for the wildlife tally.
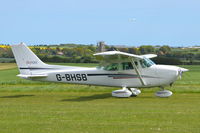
(27, 106)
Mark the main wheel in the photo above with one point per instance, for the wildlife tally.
(135, 92)
(122, 93)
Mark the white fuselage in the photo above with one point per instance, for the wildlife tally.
(116, 68)
(156, 75)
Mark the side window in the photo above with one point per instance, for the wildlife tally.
(112, 67)
(127, 65)
(136, 63)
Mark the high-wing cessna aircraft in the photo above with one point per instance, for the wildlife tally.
(116, 68)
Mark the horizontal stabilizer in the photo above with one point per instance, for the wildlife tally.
(32, 76)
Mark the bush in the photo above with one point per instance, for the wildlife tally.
(167, 61)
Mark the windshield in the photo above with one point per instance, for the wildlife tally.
(146, 62)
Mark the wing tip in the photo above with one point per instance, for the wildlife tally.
(22, 43)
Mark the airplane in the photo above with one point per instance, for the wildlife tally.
(117, 69)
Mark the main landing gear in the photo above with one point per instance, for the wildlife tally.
(125, 92)
(163, 93)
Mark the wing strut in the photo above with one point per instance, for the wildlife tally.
(138, 73)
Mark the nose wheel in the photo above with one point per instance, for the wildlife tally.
(163, 93)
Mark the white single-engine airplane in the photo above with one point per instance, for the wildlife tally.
(116, 68)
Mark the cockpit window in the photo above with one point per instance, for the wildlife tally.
(119, 66)
(127, 65)
(146, 62)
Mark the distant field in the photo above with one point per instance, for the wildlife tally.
(4, 66)
(41, 107)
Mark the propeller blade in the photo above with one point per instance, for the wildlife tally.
(180, 71)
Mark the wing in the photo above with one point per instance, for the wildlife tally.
(118, 53)
(115, 56)
(149, 55)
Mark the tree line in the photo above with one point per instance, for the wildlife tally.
(73, 53)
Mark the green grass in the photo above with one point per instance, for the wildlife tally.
(27, 106)
(89, 112)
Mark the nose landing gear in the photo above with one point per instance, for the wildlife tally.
(163, 93)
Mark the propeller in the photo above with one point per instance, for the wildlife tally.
(180, 72)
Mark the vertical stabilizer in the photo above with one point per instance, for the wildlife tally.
(26, 59)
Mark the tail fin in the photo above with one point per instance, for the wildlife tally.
(25, 58)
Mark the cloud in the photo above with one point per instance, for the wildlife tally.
(132, 19)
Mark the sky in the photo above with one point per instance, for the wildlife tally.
(117, 22)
